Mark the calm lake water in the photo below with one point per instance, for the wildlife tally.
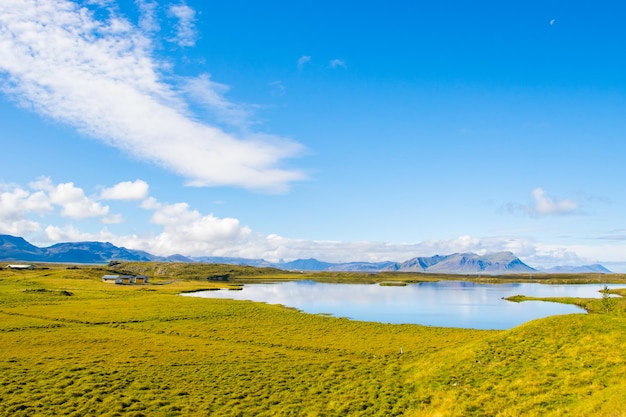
(444, 303)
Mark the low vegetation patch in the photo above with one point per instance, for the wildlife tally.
(73, 345)
(393, 284)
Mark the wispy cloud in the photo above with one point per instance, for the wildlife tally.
(148, 15)
(185, 25)
(303, 60)
(543, 205)
(99, 76)
(336, 63)
(211, 95)
(618, 234)
(278, 88)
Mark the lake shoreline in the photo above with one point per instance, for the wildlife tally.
(454, 304)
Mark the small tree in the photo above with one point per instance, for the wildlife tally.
(608, 302)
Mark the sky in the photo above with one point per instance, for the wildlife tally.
(341, 131)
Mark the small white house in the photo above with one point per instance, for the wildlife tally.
(112, 279)
(20, 266)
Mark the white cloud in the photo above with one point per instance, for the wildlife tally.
(100, 77)
(187, 229)
(74, 203)
(127, 190)
(150, 203)
(15, 205)
(18, 205)
(336, 63)
(210, 94)
(15, 201)
(19, 227)
(56, 234)
(548, 255)
(147, 16)
(186, 33)
(303, 60)
(545, 205)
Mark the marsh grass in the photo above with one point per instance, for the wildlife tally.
(73, 345)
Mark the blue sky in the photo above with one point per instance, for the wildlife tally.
(337, 130)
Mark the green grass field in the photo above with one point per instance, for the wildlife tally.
(73, 345)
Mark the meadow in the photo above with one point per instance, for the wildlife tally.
(73, 345)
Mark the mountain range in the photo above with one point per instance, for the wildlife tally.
(465, 263)
(14, 248)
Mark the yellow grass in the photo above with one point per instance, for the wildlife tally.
(73, 345)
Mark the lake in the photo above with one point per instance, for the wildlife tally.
(444, 303)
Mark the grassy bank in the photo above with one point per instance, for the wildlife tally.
(73, 345)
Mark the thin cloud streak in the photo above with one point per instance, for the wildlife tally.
(303, 60)
(99, 76)
(336, 63)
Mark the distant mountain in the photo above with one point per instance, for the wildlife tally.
(178, 258)
(582, 269)
(14, 248)
(17, 249)
(420, 264)
(92, 252)
(465, 263)
(305, 265)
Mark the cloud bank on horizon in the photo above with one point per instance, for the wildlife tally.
(101, 76)
(184, 230)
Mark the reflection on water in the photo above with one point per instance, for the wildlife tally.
(444, 303)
